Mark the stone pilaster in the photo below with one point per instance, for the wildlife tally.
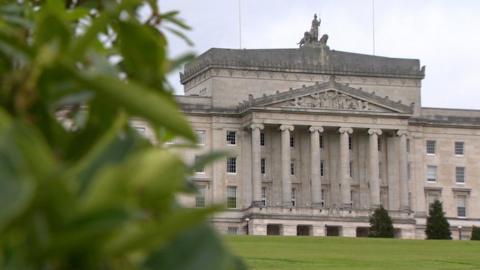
(286, 159)
(344, 167)
(373, 170)
(403, 174)
(256, 168)
(315, 158)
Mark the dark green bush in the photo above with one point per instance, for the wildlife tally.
(381, 224)
(79, 188)
(475, 233)
(437, 225)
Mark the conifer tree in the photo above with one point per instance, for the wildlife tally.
(381, 224)
(475, 233)
(437, 225)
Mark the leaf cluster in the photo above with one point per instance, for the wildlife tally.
(79, 188)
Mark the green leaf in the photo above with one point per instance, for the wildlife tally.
(205, 159)
(139, 101)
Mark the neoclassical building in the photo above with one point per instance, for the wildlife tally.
(317, 138)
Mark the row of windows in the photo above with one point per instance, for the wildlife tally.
(458, 148)
(432, 174)
(460, 202)
(231, 197)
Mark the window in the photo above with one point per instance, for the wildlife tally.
(431, 147)
(264, 196)
(380, 169)
(231, 137)
(379, 146)
(262, 139)
(200, 137)
(409, 171)
(431, 173)
(292, 141)
(199, 169)
(294, 196)
(459, 147)
(324, 197)
(232, 165)
(232, 230)
(322, 167)
(263, 165)
(408, 145)
(321, 141)
(351, 168)
(231, 197)
(432, 197)
(460, 175)
(461, 205)
(292, 167)
(200, 197)
(349, 143)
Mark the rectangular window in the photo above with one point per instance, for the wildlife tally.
(201, 169)
(294, 196)
(431, 173)
(321, 141)
(349, 143)
(264, 196)
(232, 165)
(322, 167)
(460, 175)
(232, 230)
(432, 197)
(231, 137)
(263, 164)
(408, 145)
(380, 169)
(200, 137)
(200, 197)
(461, 205)
(459, 148)
(409, 171)
(292, 141)
(262, 139)
(431, 147)
(292, 167)
(351, 168)
(324, 197)
(231, 197)
(379, 141)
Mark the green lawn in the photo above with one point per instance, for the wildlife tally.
(277, 252)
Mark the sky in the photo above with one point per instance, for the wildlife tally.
(444, 35)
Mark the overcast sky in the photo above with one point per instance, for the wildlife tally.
(444, 35)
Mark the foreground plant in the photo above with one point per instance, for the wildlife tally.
(79, 188)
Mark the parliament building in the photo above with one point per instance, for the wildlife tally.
(317, 139)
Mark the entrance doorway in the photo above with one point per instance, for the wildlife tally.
(304, 230)
(273, 229)
(333, 230)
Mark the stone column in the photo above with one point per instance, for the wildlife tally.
(403, 174)
(315, 165)
(286, 159)
(256, 170)
(373, 170)
(344, 167)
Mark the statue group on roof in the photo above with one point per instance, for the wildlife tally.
(310, 38)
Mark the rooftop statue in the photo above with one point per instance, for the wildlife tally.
(310, 38)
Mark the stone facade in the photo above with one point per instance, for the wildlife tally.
(318, 138)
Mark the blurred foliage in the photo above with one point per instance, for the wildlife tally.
(80, 188)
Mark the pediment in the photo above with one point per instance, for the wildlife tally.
(329, 96)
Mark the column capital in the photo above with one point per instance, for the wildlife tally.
(402, 132)
(255, 126)
(286, 127)
(316, 128)
(345, 130)
(375, 131)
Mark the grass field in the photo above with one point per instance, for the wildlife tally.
(276, 252)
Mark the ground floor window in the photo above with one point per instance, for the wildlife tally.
(232, 230)
(200, 197)
(273, 229)
(231, 197)
(461, 205)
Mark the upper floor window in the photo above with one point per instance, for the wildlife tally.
(459, 148)
(380, 169)
(200, 197)
(292, 167)
(431, 173)
(200, 137)
(460, 175)
(349, 143)
(379, 144)
(263, 165)
(321, 141)
(262, 139)
(292, 141)
(294, 196)
(231, 197)
(199, 169)
(408, 145)
(231, 137)
(431, 147)
(322, 167)
(264, 196)
(232, 165)
(351, 168)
